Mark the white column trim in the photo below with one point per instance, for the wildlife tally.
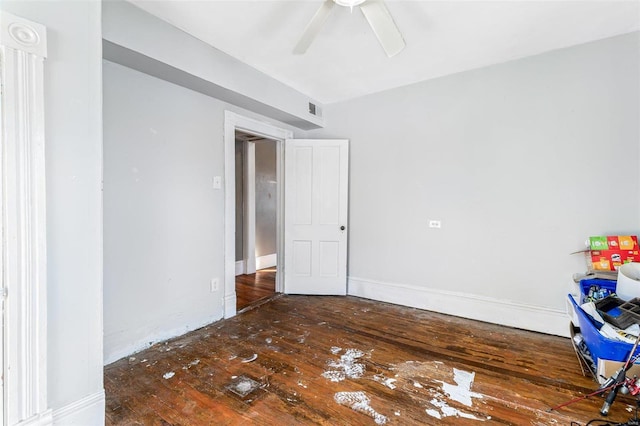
(23, 48)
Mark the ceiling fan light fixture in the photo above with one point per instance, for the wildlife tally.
(349, 3)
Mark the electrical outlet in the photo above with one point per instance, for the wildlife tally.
(214, 285)
(435, 224)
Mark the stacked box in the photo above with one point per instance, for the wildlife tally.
(609, 253)
(607, 354)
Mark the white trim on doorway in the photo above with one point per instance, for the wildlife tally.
(233, 122)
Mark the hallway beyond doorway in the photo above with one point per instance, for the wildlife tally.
(253, 288)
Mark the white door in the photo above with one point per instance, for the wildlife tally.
(315, 222)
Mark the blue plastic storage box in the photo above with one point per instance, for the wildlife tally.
(600, 346)
(585, 285)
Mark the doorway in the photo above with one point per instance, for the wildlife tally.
(256, 198)
(232, 123)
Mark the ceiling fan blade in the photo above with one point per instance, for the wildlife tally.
(313, 28)
(383, 26)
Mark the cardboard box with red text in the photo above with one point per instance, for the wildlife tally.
(610, 252)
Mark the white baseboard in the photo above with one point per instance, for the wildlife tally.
(118, 346)
(42, 419)
(86, 411)
(266, 261)
(496, 311)
(230, 305)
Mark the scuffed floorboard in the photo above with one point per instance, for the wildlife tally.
(349, 361)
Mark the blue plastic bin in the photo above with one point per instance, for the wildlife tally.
(600, 346)
(585, 285)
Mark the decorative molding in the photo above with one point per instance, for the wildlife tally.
(43, 419)
(86, 411)
(20, 34)
(266, 261)
(24, 257)
(471, 306)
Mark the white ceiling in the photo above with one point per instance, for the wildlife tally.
(346, 61)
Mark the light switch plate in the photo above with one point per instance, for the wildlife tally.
(217, 182)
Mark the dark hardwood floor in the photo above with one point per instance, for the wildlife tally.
(253, 288)
(349, 361)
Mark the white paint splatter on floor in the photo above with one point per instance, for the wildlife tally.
(346, 367)
(334, 376)
(359, 401)
(168, 375)
(434, 413)
(462, 391)
(387, 381)
(448, 411)
(335, 350)
(191, 364)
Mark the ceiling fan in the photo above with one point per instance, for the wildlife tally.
(376, 14)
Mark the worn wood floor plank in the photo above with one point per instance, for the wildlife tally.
(349, 361)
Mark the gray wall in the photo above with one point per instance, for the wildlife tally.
(266, 200)
(163, 221)
(520, 161)
(73, 114)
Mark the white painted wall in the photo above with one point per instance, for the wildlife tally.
(73, 122)
(266, 199)
(163, 221)
(520, 161)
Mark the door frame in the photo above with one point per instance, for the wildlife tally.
(233, 122)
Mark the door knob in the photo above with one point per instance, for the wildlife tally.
(342, 228)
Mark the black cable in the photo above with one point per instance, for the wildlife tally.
(592, 422)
